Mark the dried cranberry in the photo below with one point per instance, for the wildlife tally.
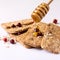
(13, 26)
(55, 21)
(5, 39)
(12, 41)
(19, 25)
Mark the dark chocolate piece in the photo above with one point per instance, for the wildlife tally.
(40, 34)
(19, 25)
(36, 30)
(20, 32)
(13, 26)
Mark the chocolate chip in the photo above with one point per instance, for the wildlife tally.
(20, 32)
(24, 31)
(36, 30)
(13, 26)
(19, 25)
(40, 34)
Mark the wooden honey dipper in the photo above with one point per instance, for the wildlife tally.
(40, 11)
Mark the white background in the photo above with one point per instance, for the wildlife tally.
(11, 10)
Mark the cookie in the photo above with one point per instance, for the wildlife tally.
(35, 35)
(17, 25)
(21, 26)
(51, 40)
(23, 22)
(28, 38)
(19, 36)
(19, 39)
(27, 33)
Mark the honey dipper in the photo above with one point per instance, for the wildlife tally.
(40, 11)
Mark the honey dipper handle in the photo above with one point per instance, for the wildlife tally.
(49, 2)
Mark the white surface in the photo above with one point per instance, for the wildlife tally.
(11, 10)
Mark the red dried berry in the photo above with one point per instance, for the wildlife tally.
(5, 39)
(55, 21)
(12, 41)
